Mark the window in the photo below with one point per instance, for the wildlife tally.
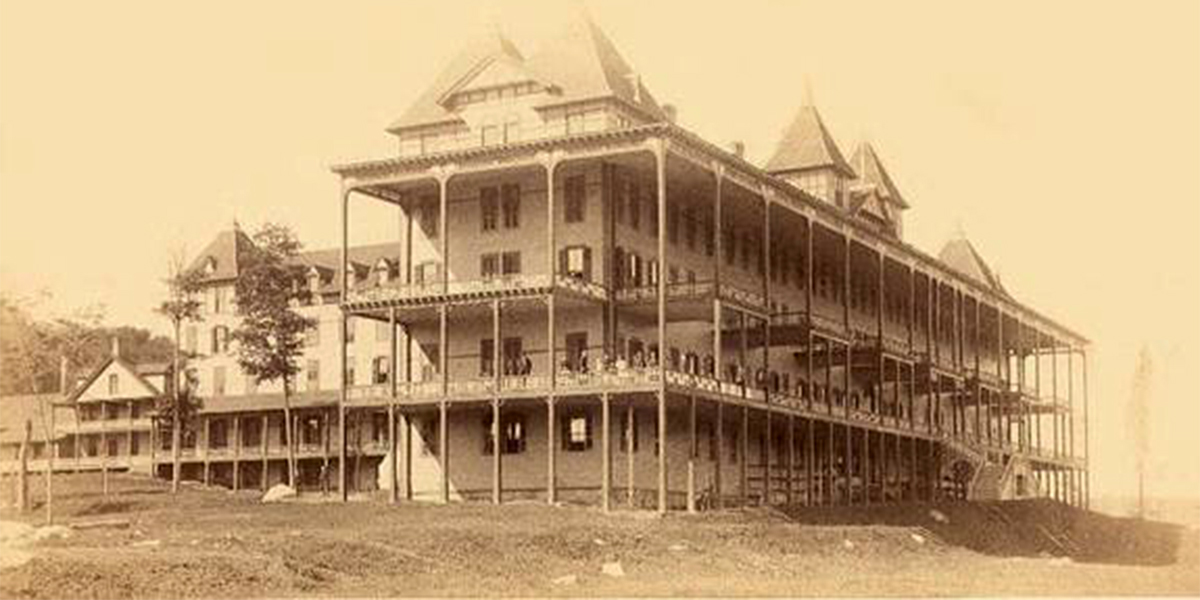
(218, 300)
(112, 449)
(576, 261)
(218, 432)
(620, 198)
(575, 191)
(383, 331)
(218, 381)
(629, 428)
(251, 431)
(381, 368)
(708, 236)
(514, 355)
(350, 330)
(511, 201)
(512, 129)
(312, 374)
(349, 370)
(673, 224)
(312, 337)
(135, 447)
(510, 263)
(114, 384)
(490, 135)
(652, 222)
(730, 245)
(489, 266)
(379, 427)
(428, 430)
(489, 208)
(577, 351)
(487, 349)
(575, 122)
(310, 430)
(635, 205)
(429, 370)
(427, 216)
(576, 432)
(689, 228)
(220, 339)
(512, 427)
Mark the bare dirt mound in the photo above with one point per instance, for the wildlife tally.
(1019, 528)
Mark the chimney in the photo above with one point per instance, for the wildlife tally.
(116, 347)
(738, 148)
(670, 111)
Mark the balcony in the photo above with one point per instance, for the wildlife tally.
(476, 289)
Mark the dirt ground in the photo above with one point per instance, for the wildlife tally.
(213, 543)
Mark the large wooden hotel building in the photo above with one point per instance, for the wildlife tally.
(586, 302)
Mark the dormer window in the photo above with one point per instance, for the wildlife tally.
(383, 272)
(210, 265)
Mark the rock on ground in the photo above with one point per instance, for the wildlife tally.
(278, 492)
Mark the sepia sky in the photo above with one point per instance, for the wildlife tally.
(1062, 137)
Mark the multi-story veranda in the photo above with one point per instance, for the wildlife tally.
(809, 358)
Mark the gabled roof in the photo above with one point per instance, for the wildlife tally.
(477, 56)
(960, 255)
(225, 253)
(869, 168)
(583, 64)
(329, 260)
(806, 144)
(127, 366)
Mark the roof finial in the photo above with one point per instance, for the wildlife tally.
(636, 81)
(960, 232)
(807, 99)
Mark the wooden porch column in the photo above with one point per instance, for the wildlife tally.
(866, 464)
(809, 461)
(791, 459)
(393, 376)
(551, 164)
(606, 452)
(444, 401)
(342, 464)
(630, 462)
(405, 450)
(768, 478)
(263, 441)
(719, 464)
(661, 169)
(237, 451)
(497, 451)
(744, 443)
(1086, 447)
(205, 421)
(498, 440)
(1054, 400)
(551, 453)
(691, 464)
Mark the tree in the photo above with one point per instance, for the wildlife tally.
(181, 305)
(35, 355)
(1139, 419)
(271, 335)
